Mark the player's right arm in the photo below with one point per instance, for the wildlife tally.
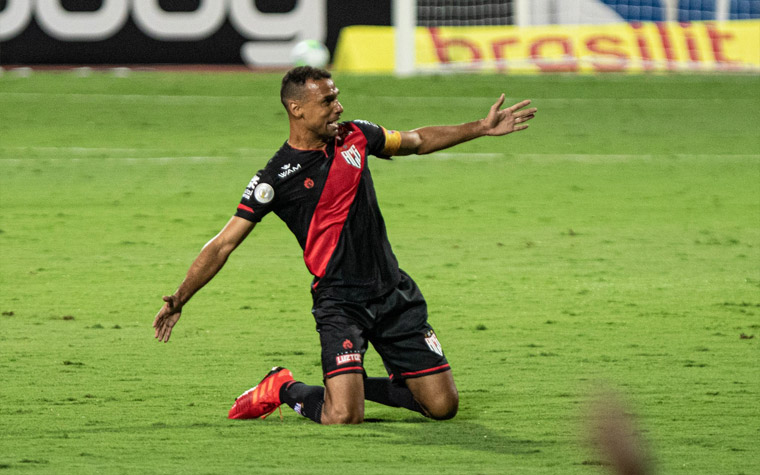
(498, 122)
(210, 260)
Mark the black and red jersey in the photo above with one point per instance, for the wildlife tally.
(327, 199)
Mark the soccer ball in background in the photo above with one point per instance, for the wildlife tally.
(310, 53)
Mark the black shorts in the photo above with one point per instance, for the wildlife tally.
(396, 325)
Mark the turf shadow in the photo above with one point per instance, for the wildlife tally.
(464, 434)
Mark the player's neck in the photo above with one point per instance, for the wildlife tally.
(306, 141)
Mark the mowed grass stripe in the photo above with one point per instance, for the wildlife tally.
(192, 99)
(99, 153)
(616, 244)
(76, 152)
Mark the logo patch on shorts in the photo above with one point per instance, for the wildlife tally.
(433, 343)
(348, 358)
(347, 345)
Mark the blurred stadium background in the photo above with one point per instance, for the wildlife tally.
(628, 216)
(553, 35)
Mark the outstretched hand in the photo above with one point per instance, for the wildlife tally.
(167, 317)
(511, 119)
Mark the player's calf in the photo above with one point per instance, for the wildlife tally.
(342, 415)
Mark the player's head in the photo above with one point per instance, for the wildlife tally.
(294, 82)
(311, 99)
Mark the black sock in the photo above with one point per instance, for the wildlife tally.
(383, 391)
(305, 400)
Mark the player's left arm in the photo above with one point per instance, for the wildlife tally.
(433, 138)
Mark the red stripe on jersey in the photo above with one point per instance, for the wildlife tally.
(337, 196)
(245, 208)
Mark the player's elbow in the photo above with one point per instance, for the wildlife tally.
(411, 143)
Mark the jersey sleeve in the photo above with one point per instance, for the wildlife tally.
(381, 142)
(258, 198)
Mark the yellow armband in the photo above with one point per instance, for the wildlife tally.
(392, 142)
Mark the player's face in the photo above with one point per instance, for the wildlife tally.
(321, 108)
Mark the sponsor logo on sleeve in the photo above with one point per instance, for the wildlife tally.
(249, 189)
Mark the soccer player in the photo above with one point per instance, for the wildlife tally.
(320, 185)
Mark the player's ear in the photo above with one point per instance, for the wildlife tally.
(294, 108)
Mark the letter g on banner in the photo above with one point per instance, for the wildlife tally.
(14, 18)
(64, 25)
(156, 22)
(306, 21)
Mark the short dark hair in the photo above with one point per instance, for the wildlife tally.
(295, 79)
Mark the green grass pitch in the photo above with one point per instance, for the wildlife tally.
(615, 243)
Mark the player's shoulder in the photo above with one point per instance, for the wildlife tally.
(365, 125)
(285, 163)
(284, 154)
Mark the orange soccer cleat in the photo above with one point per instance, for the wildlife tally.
(262, 399)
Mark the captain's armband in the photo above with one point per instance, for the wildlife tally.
(392, 142)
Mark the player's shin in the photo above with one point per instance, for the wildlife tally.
(383, 391)
(305, 400)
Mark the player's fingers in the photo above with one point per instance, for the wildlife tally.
(163, 332)
(160, 316)
(497, 105)
(169, 299)
(518, 106)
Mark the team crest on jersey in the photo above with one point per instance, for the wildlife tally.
(264, 193)
(433, 343)
(353, 157)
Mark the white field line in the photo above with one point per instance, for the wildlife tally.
(572, 157)
(121, 150)
(641, 156)
(207, 99)
(128, 98)
(64, 155)
(128, 160)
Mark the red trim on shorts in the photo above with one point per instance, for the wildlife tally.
(425, 371)
(245, 208)
(344, 370)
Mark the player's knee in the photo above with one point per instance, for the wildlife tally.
(443, 407)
